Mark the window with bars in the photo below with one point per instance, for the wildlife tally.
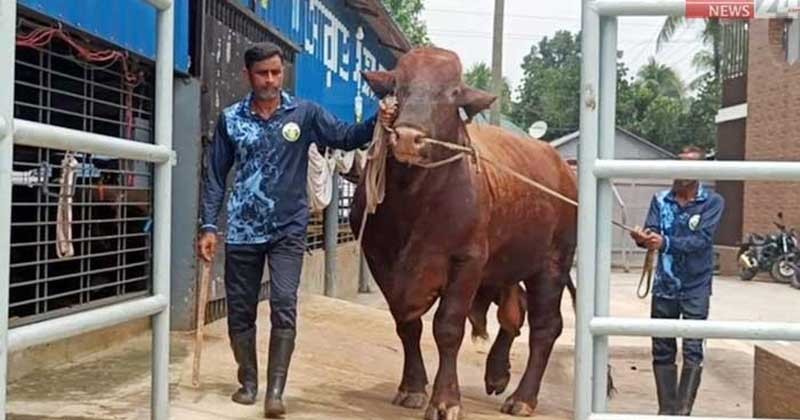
(109, 217)
(347, 191)
(316, 226)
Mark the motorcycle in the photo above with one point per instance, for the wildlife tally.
(775, 253)
(784, 268)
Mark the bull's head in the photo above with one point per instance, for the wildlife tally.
(429, 90)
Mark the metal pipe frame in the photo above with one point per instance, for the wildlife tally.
(729, 330)
(587, 211)
(28, 133)
(640, 417)
(639, 7)
(55, 329)
(8, 25)
(162, 213)
(605, 204)
(40, 135)
(596, 167)
(704, 170)
(160, 4)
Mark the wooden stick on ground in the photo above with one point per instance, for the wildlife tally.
(202, 301)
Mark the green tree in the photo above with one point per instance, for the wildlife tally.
(479, 76)
(407, 15)
(662, 79)
(711, 36)
(700, 125)
(550, 87)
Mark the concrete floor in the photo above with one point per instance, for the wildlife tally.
(348, 364)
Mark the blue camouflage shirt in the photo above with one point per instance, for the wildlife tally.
(268, 200)
(686, 259)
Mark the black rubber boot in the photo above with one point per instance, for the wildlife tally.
(667, 388)
(244, 351)
(690, 381)
(281, 346)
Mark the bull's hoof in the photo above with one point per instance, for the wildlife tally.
(443, 412)
(518, 408)
(410, 399)
(497, 381)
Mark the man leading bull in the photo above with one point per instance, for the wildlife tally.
(681, 225)
(267, 136)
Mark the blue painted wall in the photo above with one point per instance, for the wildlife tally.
(329, 65)
(130, 24)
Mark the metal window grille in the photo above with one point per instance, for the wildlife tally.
(347, 191)
(735, 40)
(315, 236)
(112, 198)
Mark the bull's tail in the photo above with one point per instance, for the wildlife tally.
(610, 389)
(572, 291)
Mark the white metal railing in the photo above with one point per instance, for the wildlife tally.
(597, 166)
(625, 250)
(40, 135)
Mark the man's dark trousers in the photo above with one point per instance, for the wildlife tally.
(665, 349)
(244, 269)
(674, 398)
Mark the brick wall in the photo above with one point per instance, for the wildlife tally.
(776, 382)
(773, 126)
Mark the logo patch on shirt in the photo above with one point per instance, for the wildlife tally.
(694, 222)
(291, 132)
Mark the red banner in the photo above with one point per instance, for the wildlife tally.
(724, 9)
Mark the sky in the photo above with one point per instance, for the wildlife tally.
(465, 26)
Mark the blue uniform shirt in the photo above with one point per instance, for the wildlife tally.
(268, 200)
(686, 259)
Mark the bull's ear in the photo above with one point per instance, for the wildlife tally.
(381, 82)
(474, 101)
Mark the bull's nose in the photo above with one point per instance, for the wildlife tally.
(410, 136)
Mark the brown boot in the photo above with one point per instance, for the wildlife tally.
(281, 346)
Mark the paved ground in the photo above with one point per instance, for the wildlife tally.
(348, 362)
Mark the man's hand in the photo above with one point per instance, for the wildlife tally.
(388, 114)
(207, 246)
(655, 242)
(640, 236)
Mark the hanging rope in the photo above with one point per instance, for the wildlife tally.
(375, 179)
(43, 36)
(647, 275)
(64, 248)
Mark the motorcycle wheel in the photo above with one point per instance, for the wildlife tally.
(796, 282)
(782, 272)
(747, 274)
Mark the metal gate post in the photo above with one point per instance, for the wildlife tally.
(8, 17)
(331, 237)
(162, 192)
(605, 204)
(587, 210)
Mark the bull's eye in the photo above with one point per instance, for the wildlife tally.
(454, 94)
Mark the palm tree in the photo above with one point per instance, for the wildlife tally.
(661, 79)
(711, 36)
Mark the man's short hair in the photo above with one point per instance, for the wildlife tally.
(692, 152)
(261, 51)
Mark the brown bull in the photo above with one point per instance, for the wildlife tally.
(466, 237)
